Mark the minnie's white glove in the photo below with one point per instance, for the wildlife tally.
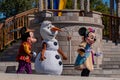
(98, 54)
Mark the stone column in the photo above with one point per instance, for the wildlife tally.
(40, 5)
(52, 4)
(46, 4)
(82, 5)
(74, 4)
(87, 5)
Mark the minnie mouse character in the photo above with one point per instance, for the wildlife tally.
(25, 53)
(84, 60)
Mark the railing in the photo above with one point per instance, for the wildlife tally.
(1, 36)
(9, 29)
(56, 12)
(111, 27)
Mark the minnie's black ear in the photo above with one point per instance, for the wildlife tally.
(82, 31)
(23, 30)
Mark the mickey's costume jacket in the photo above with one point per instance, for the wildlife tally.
(24, 52)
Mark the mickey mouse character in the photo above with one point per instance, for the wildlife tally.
(25, 53)
(84, 60)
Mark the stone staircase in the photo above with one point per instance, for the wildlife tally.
(111, 55)
(113, 73)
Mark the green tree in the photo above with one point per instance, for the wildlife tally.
(36, 3)
(95, 5)
(98, 5)
(12, 7)
(69, 4)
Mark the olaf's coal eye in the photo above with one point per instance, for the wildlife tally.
(49, 27)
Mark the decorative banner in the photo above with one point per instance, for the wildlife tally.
(62, 5)
(56, 4)
(49, 7)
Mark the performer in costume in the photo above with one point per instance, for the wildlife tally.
(25, 53)
(49, 60)
(84, 60)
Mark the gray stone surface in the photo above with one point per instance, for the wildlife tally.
(48, 77)
(111, 55)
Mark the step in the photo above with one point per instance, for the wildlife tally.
(111, 59)
(106, 41)
(111, 49)
(8, 58)
(113, 46)
(10, 67)
(111, 62)
(95, 73)
(110, 66)
(110, 52)
(111, 55)
(109, 43)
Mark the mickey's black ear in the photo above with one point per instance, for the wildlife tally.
(82, 31)
(23, 30)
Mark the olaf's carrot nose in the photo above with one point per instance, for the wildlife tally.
(55, 29)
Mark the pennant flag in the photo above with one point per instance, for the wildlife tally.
(55, 6)
(49, 7)
(62, 5)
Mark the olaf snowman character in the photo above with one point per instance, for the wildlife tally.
(49, 61)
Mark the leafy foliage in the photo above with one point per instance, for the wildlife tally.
(69, 4)
(95, 5)
(98, 5)
(12, 7)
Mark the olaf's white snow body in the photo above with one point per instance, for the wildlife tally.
(52, 64)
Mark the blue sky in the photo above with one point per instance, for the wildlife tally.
(2, 15)
(108, 1)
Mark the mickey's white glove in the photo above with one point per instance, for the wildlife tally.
(34, 54)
